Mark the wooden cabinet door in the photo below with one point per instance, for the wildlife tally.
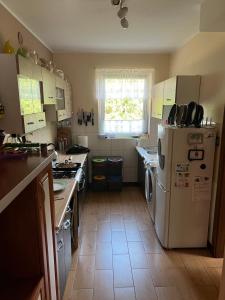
(170, 91)
(49, 87)
(49, 234)
(157, 100)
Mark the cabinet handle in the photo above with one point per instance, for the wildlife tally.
(66, 225)
(30, 123)
(60, 245)
(41, 120)
(169, 99)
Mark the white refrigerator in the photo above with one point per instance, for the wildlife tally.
(184, 185)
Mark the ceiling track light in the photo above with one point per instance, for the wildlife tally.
(122, 12)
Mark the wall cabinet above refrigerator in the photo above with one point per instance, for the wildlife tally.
(178, 89)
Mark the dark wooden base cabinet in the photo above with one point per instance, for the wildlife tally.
(28, 248)
(64, 251)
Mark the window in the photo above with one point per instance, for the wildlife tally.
(123, 97)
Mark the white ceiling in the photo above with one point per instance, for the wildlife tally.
(93, 26)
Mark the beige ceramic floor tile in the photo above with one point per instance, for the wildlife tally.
(104, 232)
(132, 232)
(192, 273)
(124, 294)
(103, 285)
(143, 285)
(103, 257)
(116, 221)
(83, 294)
(88, 243)
(122, 271)
(84, 278)
(138, 257)
(119, 242)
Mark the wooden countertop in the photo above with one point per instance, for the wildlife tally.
(62, 200)
(16, 174)
(151, 158)
(66, 194)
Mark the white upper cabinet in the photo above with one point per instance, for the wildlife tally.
(178, 89)
(49, 87)
(20, 93)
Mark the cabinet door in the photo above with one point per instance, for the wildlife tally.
(68, 100)
(36, 72)
(24, 66)
(157, 100)
(36, 95)
(40, 120)
(25, 94)
(61, 262)
(30, 123)
(170, 91)
(49, 235)
(49, 88)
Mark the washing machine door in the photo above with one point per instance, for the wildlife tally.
(148, 185)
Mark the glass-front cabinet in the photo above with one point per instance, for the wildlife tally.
(30, 96)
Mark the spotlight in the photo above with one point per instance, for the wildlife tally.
(124, 23)
(115, 2)
(122, 12)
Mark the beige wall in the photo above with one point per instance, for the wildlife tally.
(80, 68)
(204, 55)
(9, 27)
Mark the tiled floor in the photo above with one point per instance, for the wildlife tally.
(119, 256)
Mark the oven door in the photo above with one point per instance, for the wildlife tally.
(150, 191)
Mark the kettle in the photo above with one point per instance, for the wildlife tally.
(55, 153)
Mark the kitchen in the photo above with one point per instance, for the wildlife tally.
(97, 244)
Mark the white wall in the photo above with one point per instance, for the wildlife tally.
(204, 55)
(9, 27)
(80, 68)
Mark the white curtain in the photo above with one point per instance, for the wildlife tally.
(119, 84)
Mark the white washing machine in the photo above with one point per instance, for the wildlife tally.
(150, 187)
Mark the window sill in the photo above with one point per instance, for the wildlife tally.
(119, 137)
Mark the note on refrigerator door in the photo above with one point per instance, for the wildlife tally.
(182, 180)
(201, 188)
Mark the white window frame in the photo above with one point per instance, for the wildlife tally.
(101, 76)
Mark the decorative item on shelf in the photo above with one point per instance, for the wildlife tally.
(23, 51)
(43, 62)
(34, 56)
(51, 66)
(7, 48)
(60, 73)
(2, 111)
(84, 117)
